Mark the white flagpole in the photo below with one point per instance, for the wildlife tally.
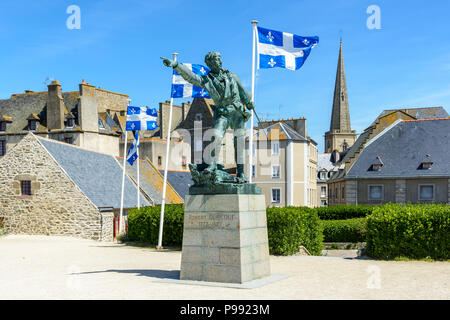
(161, 220)
(137, 168)
(250, 147)
(123, 178)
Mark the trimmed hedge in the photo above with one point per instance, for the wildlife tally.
(342, 212)
(143, 224)
(288, 228)
(291, 227)
(412, 231)
(349, 230)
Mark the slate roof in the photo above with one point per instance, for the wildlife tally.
(402, 149)
(98, 175)
(419, 113)
(356, 146)
(180, 181)
(20, 106)
(323, 161)
(286, 132)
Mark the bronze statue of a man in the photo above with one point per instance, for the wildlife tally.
(230, 99)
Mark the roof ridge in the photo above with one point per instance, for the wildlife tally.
(448, 118)
(74, 146)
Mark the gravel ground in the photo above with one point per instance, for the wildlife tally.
(42, 267)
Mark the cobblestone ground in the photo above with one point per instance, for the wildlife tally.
(41, 267)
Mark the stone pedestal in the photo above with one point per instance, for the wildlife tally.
(225, 238)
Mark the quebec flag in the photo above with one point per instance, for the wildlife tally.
(283, 50)
(141, 118)
(132, 154)
(183, 89)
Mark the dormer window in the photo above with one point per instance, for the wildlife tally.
(426, 163)
(32, 125)
(33, 122)
(377, 164)
(70, 123)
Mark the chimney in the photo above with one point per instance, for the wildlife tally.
(55, 106)
(300, 126)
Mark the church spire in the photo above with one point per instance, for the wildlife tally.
(340, 137)
(340, 117)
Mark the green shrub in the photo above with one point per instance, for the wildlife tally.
(143, 224)
(411, 231)
(341, 212)
(291, 227)
(349, 230)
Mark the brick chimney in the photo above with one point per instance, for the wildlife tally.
(55, 107)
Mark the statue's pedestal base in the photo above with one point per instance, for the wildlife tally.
(225, 238)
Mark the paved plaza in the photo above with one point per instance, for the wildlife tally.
(44, 267)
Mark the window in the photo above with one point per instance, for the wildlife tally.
(276, 195)
(343, 193)
(68, 140)
(254, 149)
(275, 148)
(323, 175)
(323, 203)
(2, 126)
(253, 171)
(198, 117)
(375, 192)
(276, 171)
(25, 187)
(2, 147)
(100, 124)
(336, 193)
(323, 191)
(426, 192)
(159, 160)
(31, 124)
(70, 123)
(183, 161)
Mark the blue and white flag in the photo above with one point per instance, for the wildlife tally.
(282, 49)
(141, 118)
(132, 154)
(183, 89)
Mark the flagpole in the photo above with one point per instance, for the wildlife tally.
(138, 192)
(163, 203)
(123, 178)
(250, 148)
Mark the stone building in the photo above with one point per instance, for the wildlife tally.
(87, 118)
(396, 160)
(285, 163)
(54, 188)
(324, 170)
(340, 137)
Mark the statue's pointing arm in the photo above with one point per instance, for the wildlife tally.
(246, 97)
(189, 76)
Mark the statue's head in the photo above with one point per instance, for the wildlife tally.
(214, 61)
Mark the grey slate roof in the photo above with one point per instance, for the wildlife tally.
(98, 175)
(145, 179)
(419, 113)
(291, 134)
(180, 181)
(323, 161)
(20, 106)
(402, 149)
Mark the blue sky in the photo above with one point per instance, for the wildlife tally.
(406, 63)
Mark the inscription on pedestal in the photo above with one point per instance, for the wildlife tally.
(225, 238)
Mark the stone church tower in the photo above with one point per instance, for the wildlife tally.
(341, 136)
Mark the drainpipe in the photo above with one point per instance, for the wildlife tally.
(356, 200)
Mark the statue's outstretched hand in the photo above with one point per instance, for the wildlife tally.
(250, 106)
(168, 62)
